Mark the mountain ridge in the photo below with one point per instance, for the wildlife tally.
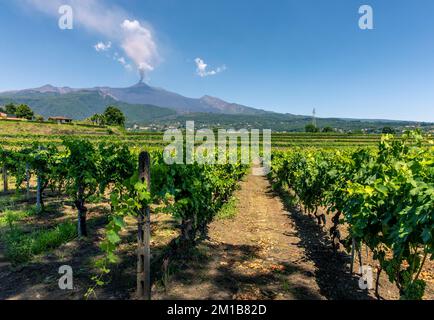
(81, 104)
(143, 104)
(143, 94)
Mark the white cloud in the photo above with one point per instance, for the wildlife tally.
(134, 37)
(124, 62)
(201, 69)
(101, 46)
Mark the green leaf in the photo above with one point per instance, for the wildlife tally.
(119, 221)
(113, 237)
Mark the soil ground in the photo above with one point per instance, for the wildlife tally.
(269, 250)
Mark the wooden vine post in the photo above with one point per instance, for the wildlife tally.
(144, 235)
(39, 189)
(39, 194)
(353, 247)
(27, 181)
(5, 179)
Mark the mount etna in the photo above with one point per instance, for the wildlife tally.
(143, 105)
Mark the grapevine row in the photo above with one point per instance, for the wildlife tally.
(384, 197)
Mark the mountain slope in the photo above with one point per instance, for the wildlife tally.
(231, 108)
(81, 104)
(143, 94)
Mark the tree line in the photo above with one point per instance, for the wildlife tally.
(112, 116)
(20, 111)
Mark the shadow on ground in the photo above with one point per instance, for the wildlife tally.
(332, 272)
(214, 271)
(39, 278)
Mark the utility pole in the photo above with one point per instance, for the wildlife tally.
(314, 117)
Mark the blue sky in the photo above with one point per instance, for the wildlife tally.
(280, 55)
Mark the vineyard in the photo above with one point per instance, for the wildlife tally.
(384, 198)
(16, 134)
(96, 201)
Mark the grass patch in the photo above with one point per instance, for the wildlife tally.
(286, 286)
(9, 217)
(10, 200)
(21, 246)
(228, 210)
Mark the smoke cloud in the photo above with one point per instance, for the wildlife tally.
(114, 24)
(139, 45)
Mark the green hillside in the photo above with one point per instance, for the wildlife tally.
(282, 122)
(83, 104)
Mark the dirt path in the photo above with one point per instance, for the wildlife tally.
(261, 254)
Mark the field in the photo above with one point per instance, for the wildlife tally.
(20, 133)
(73, 197)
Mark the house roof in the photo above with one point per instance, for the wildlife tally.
(8, 115)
